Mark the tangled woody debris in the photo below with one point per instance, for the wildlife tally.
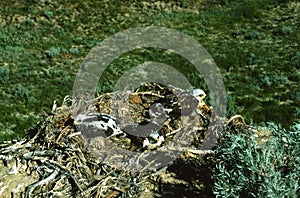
(53, 160)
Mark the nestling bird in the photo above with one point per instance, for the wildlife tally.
(200, 95)
(97, 124)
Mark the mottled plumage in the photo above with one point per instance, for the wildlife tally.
(97, 124)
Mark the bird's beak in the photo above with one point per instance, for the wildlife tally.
(202, 96)
(76, 122)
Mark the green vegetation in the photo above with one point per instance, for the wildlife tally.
(255, 43)
(259, 166)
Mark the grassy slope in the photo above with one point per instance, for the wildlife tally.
(42, 43)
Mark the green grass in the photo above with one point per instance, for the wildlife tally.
(42, 44)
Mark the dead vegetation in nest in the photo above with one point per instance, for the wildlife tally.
(53, 160)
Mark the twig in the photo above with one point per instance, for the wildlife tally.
(241, 118)
(200, 152)
(148, 93)
(40, 183)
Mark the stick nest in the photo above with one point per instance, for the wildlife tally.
(54, 161)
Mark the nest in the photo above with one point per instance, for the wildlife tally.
(54, 160)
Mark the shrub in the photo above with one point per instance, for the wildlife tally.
(247, 167)
(74, 50)
(4, 74)
(53, 51)
(48, 14)
(22, 92)
(286, 30)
